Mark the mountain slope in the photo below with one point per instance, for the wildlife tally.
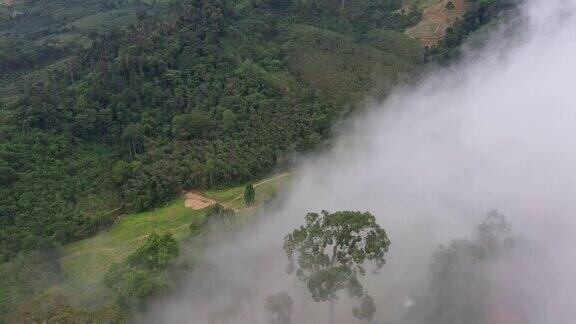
(190, 94)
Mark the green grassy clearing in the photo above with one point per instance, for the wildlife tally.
(87, 260)
(266, 189)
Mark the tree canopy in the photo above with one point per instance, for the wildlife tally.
(249, 194)
(330, 253)
(142, 274)
(279, 308)
(461, 283)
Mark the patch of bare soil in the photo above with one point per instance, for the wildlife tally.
(435, 20)
(196, 201)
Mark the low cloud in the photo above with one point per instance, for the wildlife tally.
(496, 130)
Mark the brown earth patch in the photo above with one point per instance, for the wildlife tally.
(196, 201)
(435, 20)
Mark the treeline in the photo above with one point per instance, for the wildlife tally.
(481, 13)
(349, 16)
(14, 57)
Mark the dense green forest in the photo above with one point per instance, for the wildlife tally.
(185, 94)
(110, 107)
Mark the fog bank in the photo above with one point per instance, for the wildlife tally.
(497, 130)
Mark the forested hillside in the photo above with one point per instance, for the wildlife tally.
(120, 106)
(113, 107)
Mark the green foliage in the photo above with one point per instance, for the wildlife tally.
(86, 261)
(156, 254)
(460, 281)
(481, 13)
(122, 105)
(189, 126)
(140, 276)
(197, 226)
(51, 308)
(350, 15)
(494, 234)
(329, 254)
(215, 218)
(366, 309)
(342, 69)
(133, 137)
(228, 119)
(25, 276)
(249, 194)
(279, 308)
(220, 215)
(396, 43)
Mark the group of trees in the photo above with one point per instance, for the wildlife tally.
(330, 254)
(216, 218)
(149, 111)
(27, 275)
(461, 282)
(279, 308)
(197, 94)
(186, 94)
(143, 274)
(481, 13)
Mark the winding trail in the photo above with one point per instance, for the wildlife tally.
(280, 176)
(119, 245)
(195, 195)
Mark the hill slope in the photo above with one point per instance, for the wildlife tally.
(173, 96)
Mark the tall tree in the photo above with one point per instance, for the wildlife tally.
(249, 194)
(462, 286)
(279, 308)
(330, 252)
(133, 137)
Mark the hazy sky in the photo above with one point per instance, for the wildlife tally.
(497, 130)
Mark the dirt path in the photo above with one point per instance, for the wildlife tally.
(435, 19)
(192, 200)
(119, 245)
(196, 201)
(280, 176)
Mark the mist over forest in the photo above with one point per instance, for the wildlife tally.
(491, 132)
(283, 162)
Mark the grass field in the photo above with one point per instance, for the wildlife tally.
(87, 260)
(265, 190)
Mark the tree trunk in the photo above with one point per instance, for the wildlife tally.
(332, 294)
(331, 310)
